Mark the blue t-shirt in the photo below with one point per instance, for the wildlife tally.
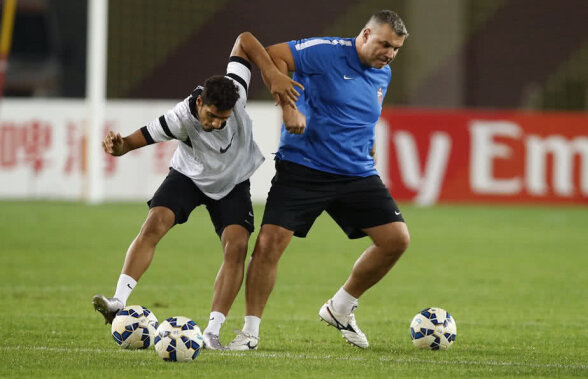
(342, 102)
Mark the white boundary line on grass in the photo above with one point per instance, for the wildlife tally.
(415, 360)
(56, 349)
(264, 355)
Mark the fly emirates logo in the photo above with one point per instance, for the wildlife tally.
(485, 149)
(486, 160)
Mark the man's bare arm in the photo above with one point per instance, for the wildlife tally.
(282, 57)
(279, 83)
(294, 121)
(116, 145)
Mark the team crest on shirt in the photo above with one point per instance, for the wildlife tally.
(380, 95)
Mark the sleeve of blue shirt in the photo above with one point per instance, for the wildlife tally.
(311, 55)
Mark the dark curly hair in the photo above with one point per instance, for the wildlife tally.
(221, 92)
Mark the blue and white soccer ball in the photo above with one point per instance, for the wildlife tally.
(434, 329)
(178, 339)
(134, 327)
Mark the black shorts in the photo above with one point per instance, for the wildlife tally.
(181, 196)
(299, 194)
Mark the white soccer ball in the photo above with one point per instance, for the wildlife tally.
(434, 329)
(178, 339)
(134, 327)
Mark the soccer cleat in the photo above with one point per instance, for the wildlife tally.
(211, 342)
(108, 306)
(243, 342)
(345, 324)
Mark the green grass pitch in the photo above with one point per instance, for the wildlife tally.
(513, 277)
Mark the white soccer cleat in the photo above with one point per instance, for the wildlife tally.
(345, 324)
(109, 307)
(211, 342)
(243, 342)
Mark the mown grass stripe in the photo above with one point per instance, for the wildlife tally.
(268, 355)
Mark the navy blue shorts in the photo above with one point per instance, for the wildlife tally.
(179, 194)
(299, 194)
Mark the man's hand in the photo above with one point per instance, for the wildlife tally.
(113, 144)
(294, 121)
(282, 89)
(373, 153)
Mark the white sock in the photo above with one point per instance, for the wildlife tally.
(343, 302)
(215, 322)
(251, 325)
(124, 287)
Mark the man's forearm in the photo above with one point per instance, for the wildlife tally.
(133, 141)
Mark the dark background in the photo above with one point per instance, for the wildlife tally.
(518, 54)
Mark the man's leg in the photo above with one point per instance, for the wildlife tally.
(389, 242)
(230, 275)
(139, 256)
(261, 278)
(232, 217)
(263, 267)
(228, 281)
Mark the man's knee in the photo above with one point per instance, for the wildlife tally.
(235, 248)
(235, 239)
(158, 223)
(270, 245)
(400, 242)
(393, 241)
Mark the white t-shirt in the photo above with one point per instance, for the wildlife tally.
(216, 161)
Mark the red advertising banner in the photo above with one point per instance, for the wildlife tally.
(487, 156)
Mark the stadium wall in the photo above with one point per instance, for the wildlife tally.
(487, 156)
(425, 156)
(43, 142)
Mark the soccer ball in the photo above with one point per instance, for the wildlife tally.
(178, 339)
(433, 328)
(134, 327)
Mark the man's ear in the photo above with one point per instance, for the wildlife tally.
(366, 33)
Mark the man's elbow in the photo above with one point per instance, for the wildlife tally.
(245, 35)
(242, 45)
(244, 39)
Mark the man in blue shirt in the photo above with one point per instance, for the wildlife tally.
(325, 163)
